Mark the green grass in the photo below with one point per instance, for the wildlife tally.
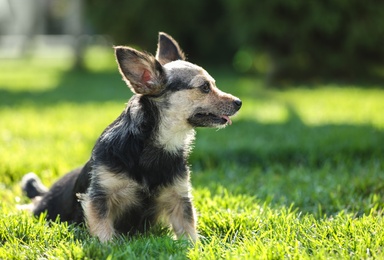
(299, 174)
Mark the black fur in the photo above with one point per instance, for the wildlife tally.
(123, 151)
(178, 85)
(61, 201)
(169, 50)
(125, 147)
(136, 156)
(32, 186)
(130, 151)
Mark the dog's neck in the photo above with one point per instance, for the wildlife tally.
(175, 135)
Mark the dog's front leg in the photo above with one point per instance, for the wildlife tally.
(99, 221)
(175, 202)
(109, 195)
(183, 219)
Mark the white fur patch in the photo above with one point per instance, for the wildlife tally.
(173, 137)
(175, 132)
(31, 206)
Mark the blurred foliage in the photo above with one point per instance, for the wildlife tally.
(307, 38)
(281, 38)
(200, 27)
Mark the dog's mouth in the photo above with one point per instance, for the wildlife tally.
(223, 119)
(208, 119)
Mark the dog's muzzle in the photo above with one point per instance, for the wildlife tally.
(205, 117)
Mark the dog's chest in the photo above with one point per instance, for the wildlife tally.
(158, 167)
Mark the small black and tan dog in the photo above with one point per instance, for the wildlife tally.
(138, 174)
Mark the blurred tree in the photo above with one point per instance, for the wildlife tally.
(285, 38)
(200, 26)
(313, 38)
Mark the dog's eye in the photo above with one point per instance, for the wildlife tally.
(206, 87)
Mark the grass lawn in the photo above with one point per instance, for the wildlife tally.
(299, 174)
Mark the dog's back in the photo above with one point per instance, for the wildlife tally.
(60, 200)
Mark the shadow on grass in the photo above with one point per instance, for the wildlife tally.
(292, 142)
(243, 156)
(321, 169)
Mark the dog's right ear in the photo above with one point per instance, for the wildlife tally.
(168, 49)
(141, 71)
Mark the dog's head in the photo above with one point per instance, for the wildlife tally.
(189, 91)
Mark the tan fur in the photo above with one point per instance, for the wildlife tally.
(148, 154)
(171, 204)
(119, 189)
(175, 132)
(121, 195)
(102, 228)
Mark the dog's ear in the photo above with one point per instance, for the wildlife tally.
(168, 49)
(141, 71)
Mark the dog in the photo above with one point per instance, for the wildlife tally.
(138, 174)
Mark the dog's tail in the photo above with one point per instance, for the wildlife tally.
(32, 186)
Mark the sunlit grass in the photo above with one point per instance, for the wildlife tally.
(325, 105)
(32, 136)
(31, 75)
(298, 175)
(338, 105)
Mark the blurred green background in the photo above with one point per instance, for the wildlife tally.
(299, 174)
(278, 39)
(297, 39)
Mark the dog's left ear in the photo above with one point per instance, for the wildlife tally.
(141, 71)
(168, 49)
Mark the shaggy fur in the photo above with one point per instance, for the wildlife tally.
(137, 174)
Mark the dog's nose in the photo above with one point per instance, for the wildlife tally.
(237, 103)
